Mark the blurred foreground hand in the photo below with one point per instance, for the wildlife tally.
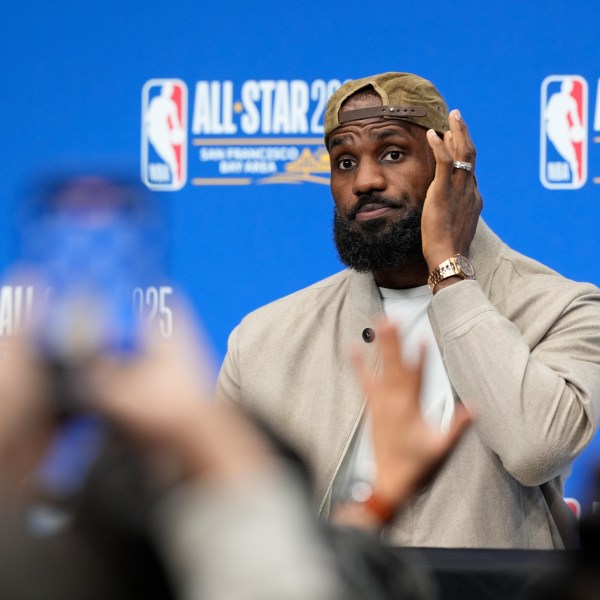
(408, 451)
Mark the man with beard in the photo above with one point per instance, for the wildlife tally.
(508, 338)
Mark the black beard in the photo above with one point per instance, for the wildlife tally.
(375, 245)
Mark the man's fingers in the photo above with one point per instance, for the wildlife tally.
(464, 150)
(390, 346)
(443, 159)
(449, 143)
(456, 145)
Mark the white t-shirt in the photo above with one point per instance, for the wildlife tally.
(407, 308)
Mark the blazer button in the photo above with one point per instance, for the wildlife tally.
(368, 335)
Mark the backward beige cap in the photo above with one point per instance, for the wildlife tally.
(395, 90)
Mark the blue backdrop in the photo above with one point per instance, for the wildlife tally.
(249, 207)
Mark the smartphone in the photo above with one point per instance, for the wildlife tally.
(89, 242)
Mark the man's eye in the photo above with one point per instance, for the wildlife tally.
(346, 163)
(393, 155)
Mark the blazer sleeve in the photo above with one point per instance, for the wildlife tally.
(535, 397)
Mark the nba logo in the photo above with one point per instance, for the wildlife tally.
(563, 149)
(164, 137)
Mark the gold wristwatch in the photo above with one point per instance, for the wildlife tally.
(457, 265)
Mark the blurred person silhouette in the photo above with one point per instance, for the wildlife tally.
(182, 500)
(80, 238)
(80, 497)
(122, 479)
(186, 499)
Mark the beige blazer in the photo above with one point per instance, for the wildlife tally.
(521, 346)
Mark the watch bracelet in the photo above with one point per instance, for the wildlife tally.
(450, 264)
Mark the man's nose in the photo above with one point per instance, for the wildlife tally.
(369, 177)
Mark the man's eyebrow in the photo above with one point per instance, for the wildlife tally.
(339, 141)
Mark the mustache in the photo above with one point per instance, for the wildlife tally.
(375, 198)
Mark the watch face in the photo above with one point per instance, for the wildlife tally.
(465, 266)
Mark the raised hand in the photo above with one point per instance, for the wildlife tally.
(408, 451)
(453, 202)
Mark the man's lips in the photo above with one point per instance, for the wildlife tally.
(373, 211)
